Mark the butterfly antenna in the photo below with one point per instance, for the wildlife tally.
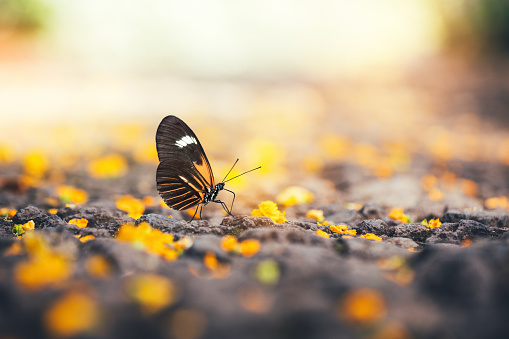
(230, 170)
(243, 173)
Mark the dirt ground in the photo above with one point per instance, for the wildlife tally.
(382, 237)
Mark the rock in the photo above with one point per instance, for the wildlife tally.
(444, 234)
(41, 219)
(473, 230)
(309, 225)
(292, 235)
(405, 243)
(6, 227)
(456, 233)
(236, 225)
(375, 226)
(414, 231)
(97, 218)
(462, 281)
(5, 244)
(488, 218)
(96, 232)
(207, 244)
(372, 210)
(157, 221)
(125, 258)
(452, 277)
(368, 249)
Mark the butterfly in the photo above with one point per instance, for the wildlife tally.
(184, 176)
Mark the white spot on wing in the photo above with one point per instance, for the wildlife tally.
(181, 177)
(184, 141)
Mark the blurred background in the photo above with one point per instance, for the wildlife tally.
(291, 86)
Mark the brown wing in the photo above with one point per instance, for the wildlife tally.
(180, 184)
(175, 137)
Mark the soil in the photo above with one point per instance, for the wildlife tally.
(448, 281)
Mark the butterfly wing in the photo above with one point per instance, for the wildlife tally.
(175, 137)
(179, 184)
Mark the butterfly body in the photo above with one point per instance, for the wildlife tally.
(211, 194)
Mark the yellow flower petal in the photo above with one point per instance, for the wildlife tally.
(371, 236)
(151, 291)
(315, 214)
(434, 223)
(81, 223)
(228, 243)
(87, 238)
(338, 228)
(269, 209)
(249, 247)
(72, 314)
(294, 195)
(322, 234)
(496, 202)
(362, 306)
(398, 214)
(108, 166)
(98, 267)
(69, 194)
(134, 207)
(41, 272)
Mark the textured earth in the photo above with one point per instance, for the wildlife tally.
(450, 281)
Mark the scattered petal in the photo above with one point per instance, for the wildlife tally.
(434, 223)
(108, 166)
(98, 266)
(294, 195)
(398, 214)
(22, 228)
(322, 234)
(435, 195)
(269, 209)
(467, 242)
(134, 207)
(249, 247)
(43, 268)
(338, 228)
(496, 202)
(7, 212)
(229, 243)
(362, 306)
(35, 164)
(353, 206)
(69, 194)
(87, 238)
(315, 214)
(153, 292)
(219, 270)
(72, 314)
(371, 236)
(81, 223)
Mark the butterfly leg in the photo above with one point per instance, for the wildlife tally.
(201, 209)
(224, 207)
(231, 208)
(194, 215)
